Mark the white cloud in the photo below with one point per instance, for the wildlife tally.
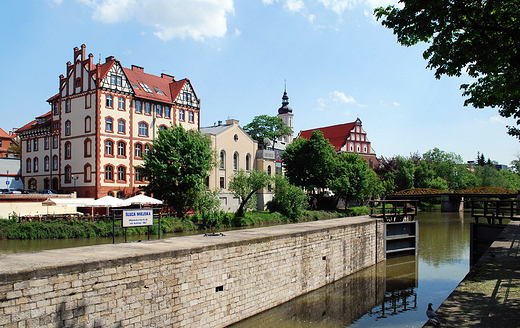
(171, 18)
(338, 6)
(396, 104)
(341, 97)
(334, 99)
(237, 32)
(294, 5)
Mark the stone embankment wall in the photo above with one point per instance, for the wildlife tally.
(192, 281)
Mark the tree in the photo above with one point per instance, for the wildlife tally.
(15, 148)
(265, 126)
(289, 200)
(245, 184)
(479, 37)
(309, 163)
(349, 178)
(404, 175)
(177, 166)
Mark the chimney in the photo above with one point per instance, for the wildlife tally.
(231, 122)
(137, 68)
(168, 76)
(111, 58)
(219, 123)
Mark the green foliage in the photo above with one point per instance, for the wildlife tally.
(289, 200)
(349, 177)
(245, 184)
(403, 178)
(309, 163)
(264, 126)
(177, 166)
(477, 37)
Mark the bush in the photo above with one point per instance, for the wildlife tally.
(288, 200)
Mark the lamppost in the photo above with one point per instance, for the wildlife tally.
(74, 178)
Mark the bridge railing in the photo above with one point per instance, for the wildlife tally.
(495, 211)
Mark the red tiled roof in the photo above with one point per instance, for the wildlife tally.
(4, 134)
(166, 84)
(34, 123)
(337, 134)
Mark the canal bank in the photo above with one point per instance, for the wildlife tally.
(489, 295)
(190, 281)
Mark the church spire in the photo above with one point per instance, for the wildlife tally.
(285, 102)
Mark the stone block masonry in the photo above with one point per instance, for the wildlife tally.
(191, 281)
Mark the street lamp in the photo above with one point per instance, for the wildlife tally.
(74, 178)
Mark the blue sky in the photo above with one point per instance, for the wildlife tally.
(339, 64)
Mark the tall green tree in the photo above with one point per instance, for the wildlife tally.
(349, 177)
(479, 37)
(289, 200)
(245, 184)
(403, 177)
(177, 166)
(309, 163)
(265, 126)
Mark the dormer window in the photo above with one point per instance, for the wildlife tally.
(145, 87)
(157, 90)
(41, 120)
(135, 86)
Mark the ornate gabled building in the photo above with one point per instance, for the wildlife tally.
(101, 122)
(348, 137)
(6, 140)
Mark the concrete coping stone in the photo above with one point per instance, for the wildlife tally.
(24, 266)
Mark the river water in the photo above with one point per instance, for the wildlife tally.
(394, 293)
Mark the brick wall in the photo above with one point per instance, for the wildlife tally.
(189, 281)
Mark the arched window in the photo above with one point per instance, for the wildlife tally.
(121, 126)
(138, 107)
(109, 173)
(191, 116)
(147, 108)
(269, 170)
(67, 128)
(32, 184)
(35, 164)
(138, 150)
(158, 111)
(143, 129)
(28, 165)
(121, 148)
(181, 114)
(109, 124)
(109, 148)
(46, 164)
(87, 172)
(167, 112)
(222, 159)
(163, 127)
(88, 122)
(68, 174)
(121, 173)
(248, 162)
(88, 148)
(54, 141)
(68, 150)
(121, 103)
(138, 176)
(109, 102)
(147, 149)
(55, 163)
(235, 161)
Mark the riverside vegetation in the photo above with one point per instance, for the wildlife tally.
(57, 229)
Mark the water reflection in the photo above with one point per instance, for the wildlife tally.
(394, 293)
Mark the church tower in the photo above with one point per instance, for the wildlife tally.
(286, 115)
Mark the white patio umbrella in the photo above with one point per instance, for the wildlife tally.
(142, 199)
(108, 201)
